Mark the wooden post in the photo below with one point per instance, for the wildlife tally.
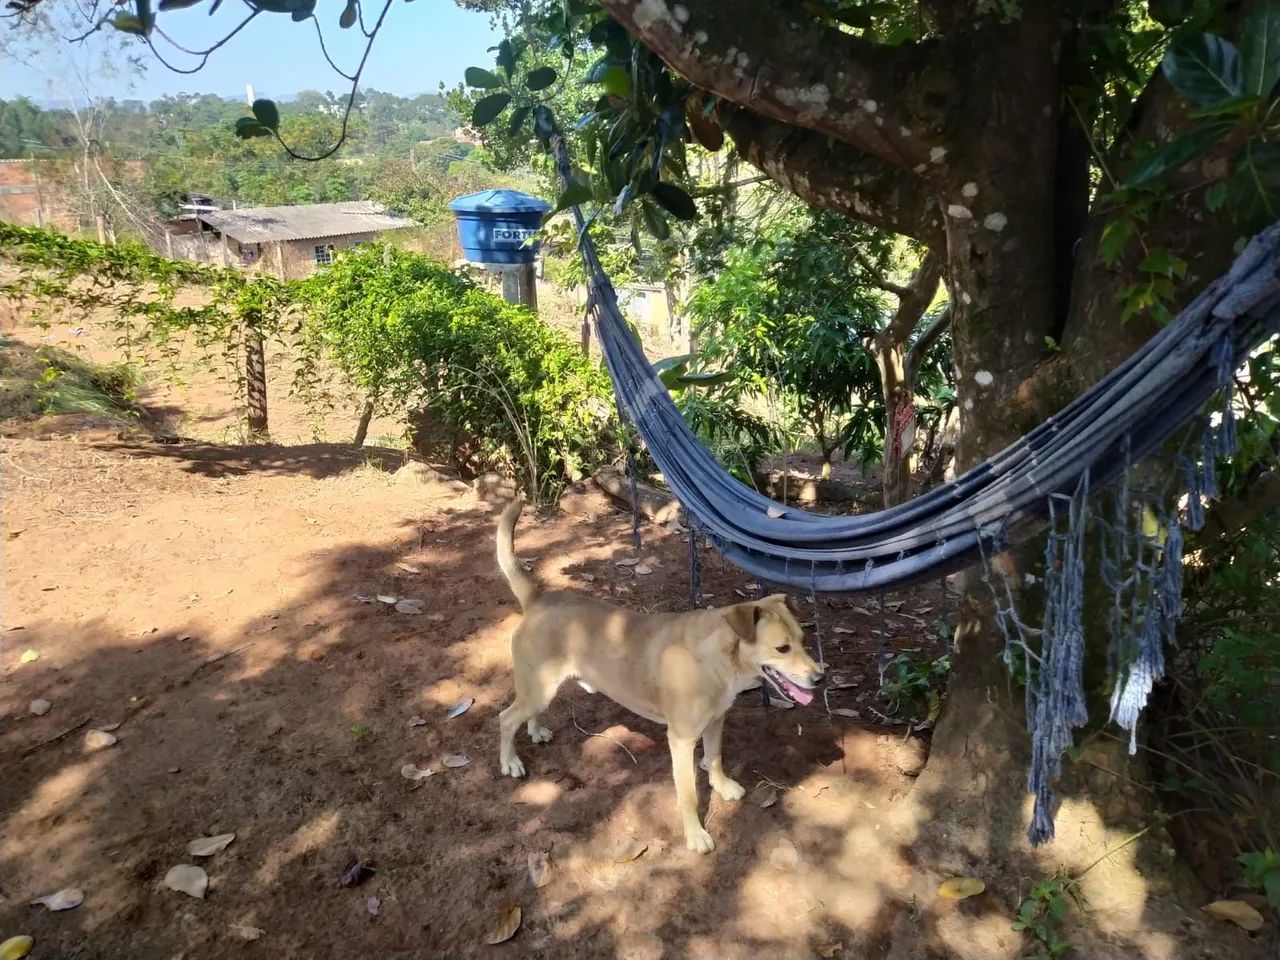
(168, 244)
(101, 221)
(255, 377)
(519, 283)
(280, 272)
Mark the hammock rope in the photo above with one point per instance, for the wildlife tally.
(1048, 480)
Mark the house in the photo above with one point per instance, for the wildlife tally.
(287, 242)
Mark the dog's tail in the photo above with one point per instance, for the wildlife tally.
(522, 585)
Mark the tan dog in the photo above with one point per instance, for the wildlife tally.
(680, 669)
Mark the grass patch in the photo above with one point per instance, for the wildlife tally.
(37, 381)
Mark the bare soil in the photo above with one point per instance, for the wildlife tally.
(219, 603)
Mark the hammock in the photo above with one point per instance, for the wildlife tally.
(1044, 480)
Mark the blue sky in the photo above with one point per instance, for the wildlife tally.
(421, 44)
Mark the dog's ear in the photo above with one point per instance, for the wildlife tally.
(742, 620)
(776, 600)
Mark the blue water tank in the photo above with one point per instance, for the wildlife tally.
(496, 226)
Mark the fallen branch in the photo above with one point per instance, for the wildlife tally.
(574, 714)
(208, 661)
(54, 739)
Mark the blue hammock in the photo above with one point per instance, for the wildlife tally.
(1044, 480)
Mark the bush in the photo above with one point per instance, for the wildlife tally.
(487, 380)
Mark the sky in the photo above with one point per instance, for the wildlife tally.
(421, 44)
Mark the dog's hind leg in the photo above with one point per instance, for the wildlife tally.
(728, 788)
(695, 837)
(534, 691)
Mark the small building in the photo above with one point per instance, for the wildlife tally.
(287, 242)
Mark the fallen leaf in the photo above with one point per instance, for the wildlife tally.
(960, 888)
(642, 570)
(188, 879)
(844, 630)
(182, 637)
(15, 948)
(29, 656)
(68, 898)
(840, 682)
(409, 568)
(784, 856)
(459, 708)
(387, 599)
(846, 712)
(99, 740)
(411, 772)
(437, 617)
(455, 760)
(626, 562)
(356, 874)
(362, 598)
(781, 704)
(417, 722)
(775, 512)
(589, 577)
(862, 610)
(208, 846)
(39, 708)
(765, 797)
(373, 905)
(741, 593)
(539, 869)
(829, 951)
(1235, 911)
(629, 850)
(412, 608)
(506, 925)
(246, 932)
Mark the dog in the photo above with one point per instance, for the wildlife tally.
(679, 669)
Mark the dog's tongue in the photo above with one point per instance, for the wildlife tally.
(797, 693)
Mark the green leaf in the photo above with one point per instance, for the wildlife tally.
(266, 113)
(675, 201)
(1260, 49)
(654, 220)
(1179, 152)
(1164, 263)
(1215, 196)
(128, 23)
(1254, 187)
(1115, 237)
(1169, 13)
(1204, 68)
(247, 127)
(540, 79)
(1233, 105)
(166, 5)
(518, 116)
(574, 195)
(483, 79)
(487, 109)
(349, 14)
(616, 80)
(705, 379)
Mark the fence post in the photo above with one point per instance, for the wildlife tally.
(255, 375)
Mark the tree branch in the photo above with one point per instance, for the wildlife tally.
(837, 177)
(919, 349)
(916, 296)
(1229, 518)
(880, 280)
(783, 64)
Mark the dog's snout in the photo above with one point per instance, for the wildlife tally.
(819, 677)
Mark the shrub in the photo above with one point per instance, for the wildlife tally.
(487, 380)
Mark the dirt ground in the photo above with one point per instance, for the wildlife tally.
(219, 603)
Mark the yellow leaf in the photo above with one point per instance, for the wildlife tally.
(1235, 911)
(960, 888)
(15, 948)
(507, 924)
(29, 656)
(630, 850)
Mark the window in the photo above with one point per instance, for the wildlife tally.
(324, 254)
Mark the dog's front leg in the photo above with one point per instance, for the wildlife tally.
(682, 769)
(728, 788)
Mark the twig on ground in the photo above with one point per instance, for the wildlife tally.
(54, 739)
(574, 714)
(208, 661)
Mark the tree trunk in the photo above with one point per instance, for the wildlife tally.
(255, 376)
(900, 422)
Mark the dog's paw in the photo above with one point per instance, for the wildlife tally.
(730, 790)
(539, 734)
(513, 767)
(699, 842)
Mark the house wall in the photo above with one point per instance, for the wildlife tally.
(31, 197)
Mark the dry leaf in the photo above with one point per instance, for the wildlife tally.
(845, 630)
(356, 874)
(629, 850)
(1235, 911)
(589, 577)
(846, 712)
(99, 740)
(960, 888)
(15, 948)
(387, 599)
(417, 722)
(455, 760)
(39, 708)
(643, 570)
(108, 727)
(626, 562)
(410, 772)
(208, 846)
(435, 617)
(412, 608)
(29, 656)
(362, 598)
(774, 513)
(765, 797)
(188, 879)
(539, 869)
(829, 951)
(507, 924)
(784, 856)
(373, 905)
(409, 568)
(781, 704)
(246, 932)
(840, 682)
(68, 898)
(459, 708)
